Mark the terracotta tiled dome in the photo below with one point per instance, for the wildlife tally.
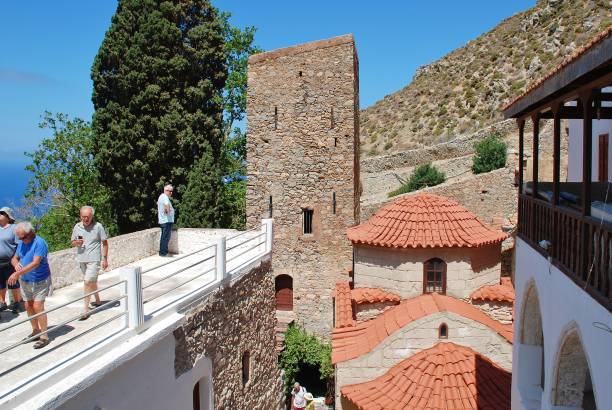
(446, 376)
(424, 221)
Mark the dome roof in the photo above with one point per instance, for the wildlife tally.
(424, 221)
(446, 376)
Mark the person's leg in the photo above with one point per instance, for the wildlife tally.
(39, 306)
(3, 285)
(165, 238)
(29, 305)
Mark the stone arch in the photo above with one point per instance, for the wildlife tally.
(531, 364)
(531, 317)
(573, 387)
(283, 288)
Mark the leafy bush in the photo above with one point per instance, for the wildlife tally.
(302, 348)
(423, 176)
(490, 154)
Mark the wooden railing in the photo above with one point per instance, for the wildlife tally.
(580, 246)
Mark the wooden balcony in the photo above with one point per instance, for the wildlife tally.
(580, 245)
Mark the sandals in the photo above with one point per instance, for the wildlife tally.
(41, 343)
(25, 339)
(96, 304)
(84, 316)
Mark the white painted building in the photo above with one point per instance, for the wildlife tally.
(563, 267)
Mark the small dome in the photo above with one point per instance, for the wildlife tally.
(424, 221)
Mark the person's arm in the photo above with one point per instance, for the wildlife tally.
(74, 241)
(30, 266)
(104, 254)
(15, 261)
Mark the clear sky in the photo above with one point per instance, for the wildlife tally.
(48, 47)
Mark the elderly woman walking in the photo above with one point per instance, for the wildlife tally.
(34, 276)
(8, 245)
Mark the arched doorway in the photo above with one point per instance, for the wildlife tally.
(531, 366)
(283, 285)
(573, 387)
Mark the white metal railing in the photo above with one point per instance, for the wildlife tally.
(257, 242)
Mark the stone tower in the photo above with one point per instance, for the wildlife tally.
(303, 169)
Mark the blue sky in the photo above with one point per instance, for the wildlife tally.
(48, 47)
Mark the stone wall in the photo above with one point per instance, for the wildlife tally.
(302, 152)
(458, 147)
(366, 311)
(487, 195)
(417, 336)
(131, 247)
(236, 319)
(500, 311)
(400, 271)
(122, 250)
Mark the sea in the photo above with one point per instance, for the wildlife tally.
(14, 179)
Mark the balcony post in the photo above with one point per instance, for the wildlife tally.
(535, 118)
(586, 98)
(220, 259)
(521, 128)
(134, 303)
(556, 109)
(267, 227)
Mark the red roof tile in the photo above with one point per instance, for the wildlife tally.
(446, 376)
(359, 339)
(424, 221)
(373, 295)
(344, 305)
(502, 292)
(567, 61)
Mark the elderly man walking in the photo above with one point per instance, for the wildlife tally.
(34, 276)
(8, 245)
(89, 236)
(165, 213)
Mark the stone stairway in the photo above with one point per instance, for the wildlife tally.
(283, 319)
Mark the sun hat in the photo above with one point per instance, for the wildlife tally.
(8, 211)
(308, 396)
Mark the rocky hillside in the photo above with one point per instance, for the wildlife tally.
(464, 91)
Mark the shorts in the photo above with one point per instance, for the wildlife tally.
(5, 272)
(36, 291)
(90, 271)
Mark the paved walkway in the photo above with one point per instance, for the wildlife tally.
(21, 364)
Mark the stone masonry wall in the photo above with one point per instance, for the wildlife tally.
(367, 311)
(417, 336)
(302, 150)
(400, 271)
(500, 311)
(236, 319)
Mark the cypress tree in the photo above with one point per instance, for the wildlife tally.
(158, 79)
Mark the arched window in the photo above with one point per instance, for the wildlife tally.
(573, 387)
(246, 367)
(434, 276)
(443, 331)
(283, 285)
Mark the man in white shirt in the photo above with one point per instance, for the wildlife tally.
(298, 401)
(165, 213)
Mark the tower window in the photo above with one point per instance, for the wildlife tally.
(270, 207)
(335, 141)
(434, 276)
(300, 74)
(275, 118)
(443, 331)
(334, 203)
(246, 367)
(307, 220)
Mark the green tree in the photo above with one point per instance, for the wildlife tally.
(301, 349)
(158, 81)
(423, 176)
(198, 209)
(64, 178)
(490, 154)
(239, 45)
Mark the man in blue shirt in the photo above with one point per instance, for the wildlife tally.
(165, 217)
(34, 276)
